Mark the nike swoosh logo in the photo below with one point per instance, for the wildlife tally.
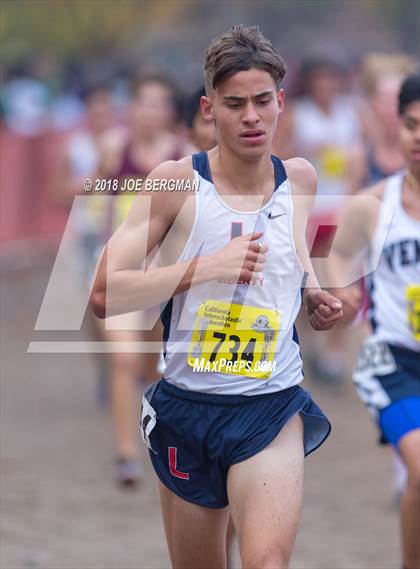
(270, 216)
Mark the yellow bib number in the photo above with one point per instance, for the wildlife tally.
(234, 339)
(333, 162)
(123, 203)
(412, 295)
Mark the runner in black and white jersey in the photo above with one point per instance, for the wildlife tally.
(387, 375)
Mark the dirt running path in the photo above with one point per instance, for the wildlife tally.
(61, 509)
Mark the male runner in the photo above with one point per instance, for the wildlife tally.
(233, 257)
(387, 375)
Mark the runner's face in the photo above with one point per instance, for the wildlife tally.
(245, 108)
(410, 134)
(325, 86)
(153, 108)
(100, 111)
(385, 102)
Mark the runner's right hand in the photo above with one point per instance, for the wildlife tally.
(242, 258)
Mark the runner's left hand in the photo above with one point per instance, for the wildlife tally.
(323, 309)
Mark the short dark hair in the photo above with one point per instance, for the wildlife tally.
(409, 93)
(94, 87)
(192, 106)
(313, 66)
(152, 78)
(241, 49)
(165, 81)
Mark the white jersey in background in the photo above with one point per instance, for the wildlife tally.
(395, 284)
(324, 140)
(228, 337)
(83, 159)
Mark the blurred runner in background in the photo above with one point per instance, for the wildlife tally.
(387, 374)
(322, 126)
(380, 155)
(77, 159)
(149, 140)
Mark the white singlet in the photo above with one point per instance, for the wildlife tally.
(228, 337)
(324, 140)
(395, 284)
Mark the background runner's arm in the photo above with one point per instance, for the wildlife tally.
(322, 308)
(355, 228)
(303, 179)
(344, 266)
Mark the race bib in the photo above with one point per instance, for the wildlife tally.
(412, 295)
(234, 339)
(375, 360)
(333, 162)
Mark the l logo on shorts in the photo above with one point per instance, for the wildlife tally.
(172, 452)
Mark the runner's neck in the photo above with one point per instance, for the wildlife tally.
(240, 176)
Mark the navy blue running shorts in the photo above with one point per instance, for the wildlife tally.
(194, 437)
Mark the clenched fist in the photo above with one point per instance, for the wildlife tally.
(242, 258)
(322, 308)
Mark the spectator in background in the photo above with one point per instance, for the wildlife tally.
(149, 140)
(26, 100)
(322, 126)
(67, 110)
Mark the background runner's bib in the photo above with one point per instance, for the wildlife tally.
(231, 337)
(394, 286)
(413, 310)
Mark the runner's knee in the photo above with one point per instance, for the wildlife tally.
(270, 558)
(413, 482)
(125, 362)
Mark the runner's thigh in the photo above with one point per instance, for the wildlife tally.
(265, 495)
(196, 535)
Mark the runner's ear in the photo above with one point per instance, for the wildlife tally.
(207, 108)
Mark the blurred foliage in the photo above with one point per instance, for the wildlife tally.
(98, 28)
(79, 27)
(403, 16)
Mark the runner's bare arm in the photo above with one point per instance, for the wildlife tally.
(111, 146)
(123, 285)
(356, 226)
(323, 309)
(64, 185)
(303, 180)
